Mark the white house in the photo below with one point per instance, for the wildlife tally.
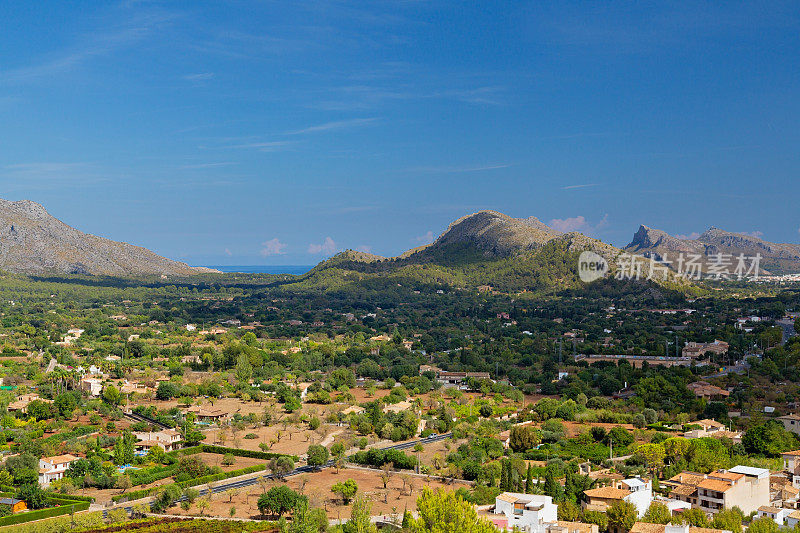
(777, 514)
(93, 386)
(528, 512)
(167, 439)
(53, 468)
(792, 519)
(641, 493)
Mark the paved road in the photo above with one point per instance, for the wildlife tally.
(222, 486)
(788, 329)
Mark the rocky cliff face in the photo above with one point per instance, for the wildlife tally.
(776, 258)
(34, 242)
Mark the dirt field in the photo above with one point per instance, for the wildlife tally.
(318, 489)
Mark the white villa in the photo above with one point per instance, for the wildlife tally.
(53, 468)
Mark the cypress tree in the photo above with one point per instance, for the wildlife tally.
(529, 480)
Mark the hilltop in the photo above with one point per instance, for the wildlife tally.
(34, 242)
(486, 248)
(776, 258)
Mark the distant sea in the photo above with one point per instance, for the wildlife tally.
(264, 269)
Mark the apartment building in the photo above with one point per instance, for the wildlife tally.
(744, 487)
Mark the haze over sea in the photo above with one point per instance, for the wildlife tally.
(264, 269)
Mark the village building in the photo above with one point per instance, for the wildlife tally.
(644, 527)
(166, 439)
(635, 490)
(778, 514)
(22, 402)
(699, 349)
(527, 512)
(742, 486)
(791, 422)
(53, 468)
(704, 389)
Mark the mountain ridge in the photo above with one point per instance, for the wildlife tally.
(777, 258)
(33, 242)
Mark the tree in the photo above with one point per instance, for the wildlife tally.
(167, 391)
(728, 519)
(346, 490)
(123, 483)
(651, 455)
(650, 416)
(620, 436)
(123, 449)
(41, 410)
(763, 525)
(244, 370)
(33, 496)
(657, 513)
(317, 455)
(524, 438)
(621, 515)
(278, 500)
(360, 517)
(111, 395)
(551, 486)
(306, 520)
(694, 517)
(568, 511)
(485, 410)
(596, 517)
(65, 403)
(280, 466)
(529, 480)
(445, 512)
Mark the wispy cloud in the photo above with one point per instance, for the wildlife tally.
(457, 169)
(268, 146)
(690, 237)
(273, 247)
(364, 248)
(757, 234)
(200, 76)
(209, 165)
(327, 247)
(90, 47)
(335, 125)
(581, 186)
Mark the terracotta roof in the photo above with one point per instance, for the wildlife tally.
(56, 459)
(733, 476)
(769, 509)
(795, 453)
(715, 484)
(609, 493)
(644, 527)
(708, 423)
(688, 478)
(684, 490)
(572, 527)
(794, 514)
(507, 497)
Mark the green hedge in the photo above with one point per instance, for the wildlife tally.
(21, 518)
(222, 450)
(238, 452)
(144, 493)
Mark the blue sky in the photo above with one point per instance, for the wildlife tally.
(280, 132)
